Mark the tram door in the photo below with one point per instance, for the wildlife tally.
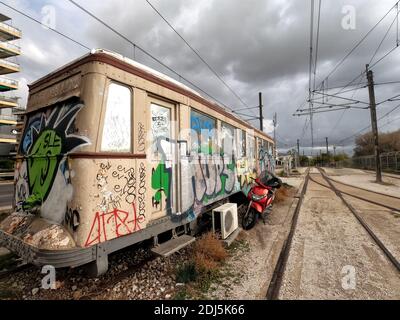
(162, 120)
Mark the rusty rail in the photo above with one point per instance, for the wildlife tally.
(380, 244)
(280, 267)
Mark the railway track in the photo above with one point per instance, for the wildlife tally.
(343, 189)
(387, 201)
(394, 176)
(112, 282)
(277, 277)
(380, 244)
(355, 187)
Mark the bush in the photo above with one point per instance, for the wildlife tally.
(208, 255)
(209, 247)
(281, 194)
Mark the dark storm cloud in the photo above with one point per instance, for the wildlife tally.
(254, 45)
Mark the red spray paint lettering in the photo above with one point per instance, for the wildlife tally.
(113, 224)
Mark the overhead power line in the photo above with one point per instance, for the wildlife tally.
(383, 39)
(359, 43)
(48, 27)
(310, 105)
(198, 54)
(369, 126)
(88, 48)
(338, 87)
(317, 43)
(372, 58)
(328, 107)
(322, 83)
(105, 24)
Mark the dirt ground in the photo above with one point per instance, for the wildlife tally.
(385, 223)
(362, 179)
(328, 246)
(258, 248)
(253, 266)
(333, 257)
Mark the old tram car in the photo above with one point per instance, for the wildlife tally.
(97, 167)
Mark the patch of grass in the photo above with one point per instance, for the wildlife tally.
(206, 279)
(186, 273)
(203, 269)
(182, 295)
(239, 245)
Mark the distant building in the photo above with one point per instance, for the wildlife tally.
(10, 110)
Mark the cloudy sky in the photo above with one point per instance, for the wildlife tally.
(254, 45)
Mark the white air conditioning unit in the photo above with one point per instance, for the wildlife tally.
(225, 219)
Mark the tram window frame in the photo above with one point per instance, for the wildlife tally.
(212, 139)
(128, 108)
(251, 151)
(265, 145)
(242, 143)
(233, 140)
(167, 149)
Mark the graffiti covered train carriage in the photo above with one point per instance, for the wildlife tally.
(113, 153)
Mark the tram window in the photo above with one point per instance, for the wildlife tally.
(161, 128)
(259, 144)
(204, 134)
(265, 145)
(251, 146)
(117, 121)
(227, 139)
(242, 143)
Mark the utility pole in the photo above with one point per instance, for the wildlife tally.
(298, 152)
(334, 155)
(275, 121)
(310, 95)
(374, 123)
(327, 148)
(260, 106)
(327, 151)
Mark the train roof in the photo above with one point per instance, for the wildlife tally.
(110, 57)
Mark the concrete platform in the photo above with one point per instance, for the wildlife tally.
(228, 241)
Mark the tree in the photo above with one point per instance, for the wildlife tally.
(388, 142)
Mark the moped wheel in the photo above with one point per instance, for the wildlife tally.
(250, 219)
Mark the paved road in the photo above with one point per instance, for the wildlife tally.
(6, 194)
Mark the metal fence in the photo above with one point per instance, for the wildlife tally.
(390, 162)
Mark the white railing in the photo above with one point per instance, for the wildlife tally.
(10, 46)
(9, 28)
(9, 63)
(9, 81)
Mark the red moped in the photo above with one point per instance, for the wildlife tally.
(261, 197)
